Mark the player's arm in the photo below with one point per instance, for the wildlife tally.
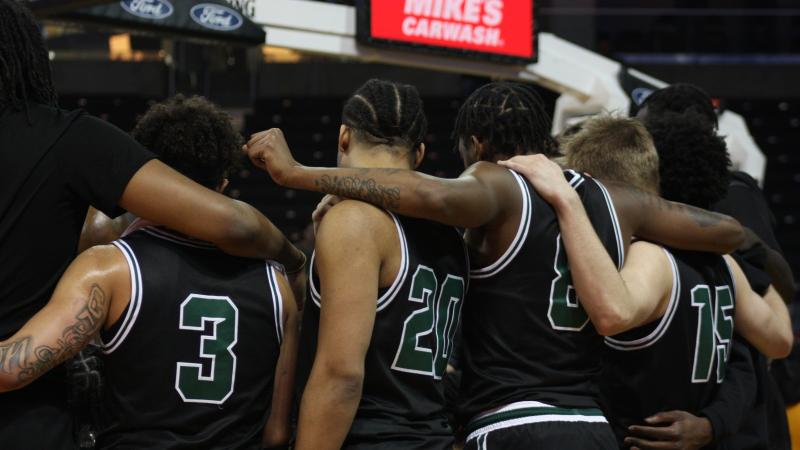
(99, 229)
(614, 302)
(764, 321)
(162, 195)
(674, 224)
(348, 261)
(652, 218)
(467, 201)
(278, 429)
(77, 310)
(714, 423)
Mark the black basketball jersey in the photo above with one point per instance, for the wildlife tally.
(526, 337)
(191, 362)
(677, 362)
(402, 404)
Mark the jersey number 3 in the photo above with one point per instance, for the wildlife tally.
(211, 382)
(437, 319)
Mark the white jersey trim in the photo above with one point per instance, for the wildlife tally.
(135, 304)
(391, 293)
(532, 419)
(666, 319)
(277, 299)
(519, 240)
(733, 279)
(612, 210)
(167, 236)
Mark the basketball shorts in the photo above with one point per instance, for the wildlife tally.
(534, 425)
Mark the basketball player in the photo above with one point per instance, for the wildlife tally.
(689, 301)
(54, 164)
(194, 340)
(530, 354)
(386, 294)
(765, 424)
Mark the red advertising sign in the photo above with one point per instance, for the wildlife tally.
(499, 28)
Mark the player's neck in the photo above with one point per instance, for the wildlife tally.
(374, 159)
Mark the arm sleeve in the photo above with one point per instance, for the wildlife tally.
(99, 159)
(735, 395)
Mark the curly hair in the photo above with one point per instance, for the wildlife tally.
(694, 160)
(506, 117)
(24, 60)
(680, 98)
(191, 135)
(386, 113)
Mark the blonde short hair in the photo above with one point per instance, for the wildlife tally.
(615, 149)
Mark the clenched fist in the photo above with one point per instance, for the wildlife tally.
(269, 151)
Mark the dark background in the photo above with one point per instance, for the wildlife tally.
(745, 52)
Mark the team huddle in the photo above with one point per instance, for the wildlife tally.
(524, 304)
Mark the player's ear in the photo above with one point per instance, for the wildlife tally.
(476, 147)
(419, 155)
(345, 135)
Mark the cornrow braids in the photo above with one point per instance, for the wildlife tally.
(508, 118)
(386, 113)
(24, 60)
(681, 98)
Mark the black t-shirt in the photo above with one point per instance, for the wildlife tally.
(764, 425)
(47, 182)
(53, 165)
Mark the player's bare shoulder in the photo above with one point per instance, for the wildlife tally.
(356, 220)
(499, 179)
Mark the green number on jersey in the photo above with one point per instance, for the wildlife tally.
(714, 331)
(438, 315)
(565, 311)
(217, 346)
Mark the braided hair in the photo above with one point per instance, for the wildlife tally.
(24, 60)
(382, 112)
(506, 117)
(680, 98)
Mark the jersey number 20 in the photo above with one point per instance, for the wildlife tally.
(438, 317)
(211, 382)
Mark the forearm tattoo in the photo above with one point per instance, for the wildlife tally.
(28, 363)
(701, 217)
(366, 189)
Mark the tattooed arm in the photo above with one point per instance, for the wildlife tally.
(674, 224)
(650, 217)
(89, 293)
(482, 193)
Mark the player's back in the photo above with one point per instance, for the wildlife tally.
(190, 363)
(678, 361)
(527, 342)
(402, 402)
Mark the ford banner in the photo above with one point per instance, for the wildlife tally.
(148, 9)
(497, 29)
(204, 20)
